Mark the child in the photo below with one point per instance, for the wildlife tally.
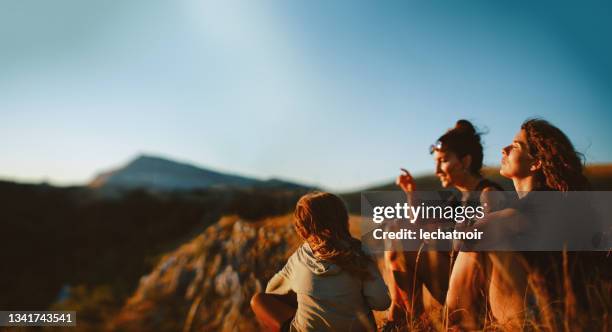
(336, 283)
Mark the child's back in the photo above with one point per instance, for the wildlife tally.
(329, 298)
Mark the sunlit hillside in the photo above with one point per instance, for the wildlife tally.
(168, 261)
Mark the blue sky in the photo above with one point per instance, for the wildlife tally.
(338, 94)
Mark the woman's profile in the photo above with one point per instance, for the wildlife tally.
(458, 157)
(540, 158)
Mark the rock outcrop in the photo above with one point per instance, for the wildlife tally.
(206, 284)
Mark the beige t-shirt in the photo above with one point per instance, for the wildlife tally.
(329, 298)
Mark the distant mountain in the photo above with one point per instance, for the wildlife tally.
(155, 173)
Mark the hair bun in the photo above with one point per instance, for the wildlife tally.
(465, 126)
(463, 139)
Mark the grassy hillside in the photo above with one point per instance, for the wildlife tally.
(70, 248)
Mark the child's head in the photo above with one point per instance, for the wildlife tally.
(319, 216)
(321, 219)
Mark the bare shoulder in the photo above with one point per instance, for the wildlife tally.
(492, 198)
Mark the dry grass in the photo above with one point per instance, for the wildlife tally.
(565, 292)
(573, 293)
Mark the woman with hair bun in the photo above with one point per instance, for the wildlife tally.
(458, 156)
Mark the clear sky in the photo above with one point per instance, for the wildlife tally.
(338, 94)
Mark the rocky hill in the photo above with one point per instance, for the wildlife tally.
(206, 284)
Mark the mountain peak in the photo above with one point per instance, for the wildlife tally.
(147, 157)
(157, 173)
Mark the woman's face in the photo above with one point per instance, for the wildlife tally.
(516, 161)
(449, 168)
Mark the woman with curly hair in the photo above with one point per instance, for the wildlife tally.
(540, 158)
(336, 282)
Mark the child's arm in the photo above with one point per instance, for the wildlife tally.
(375, 291)
(278, 285)
(281, 282)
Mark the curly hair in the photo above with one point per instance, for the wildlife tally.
(321, 219)
(562, 165)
